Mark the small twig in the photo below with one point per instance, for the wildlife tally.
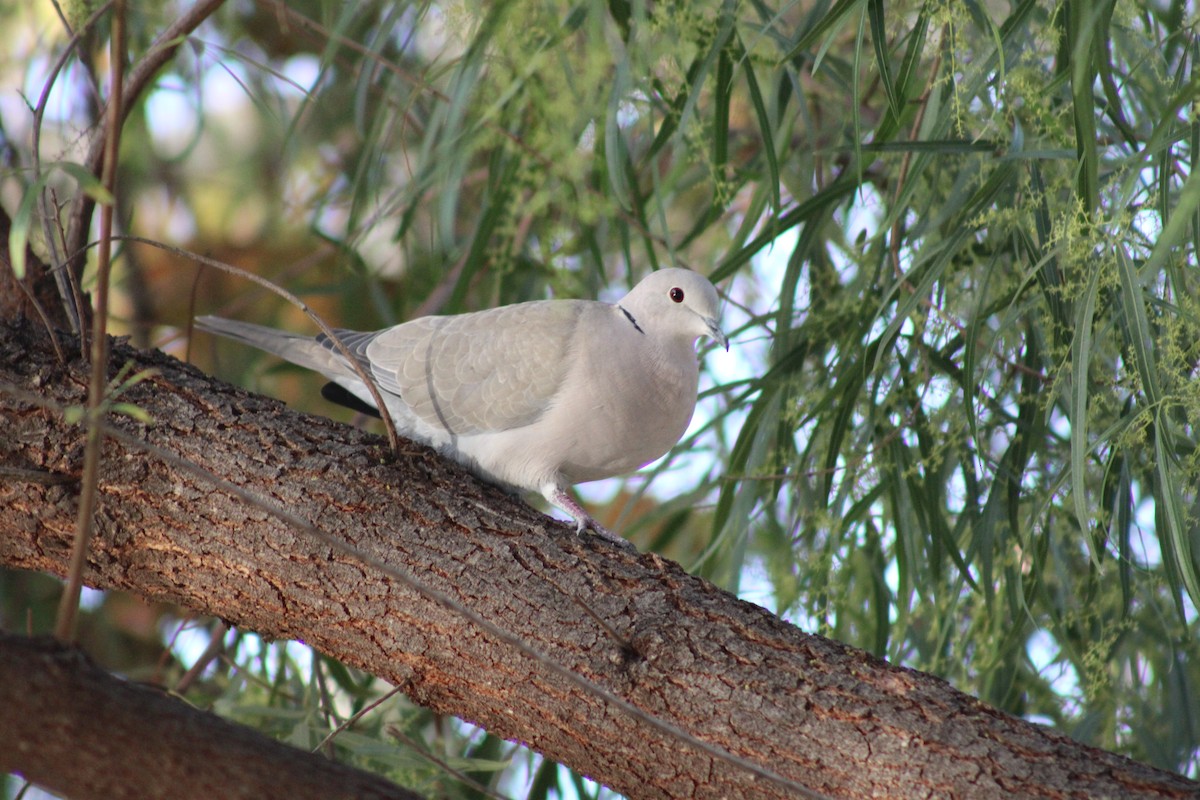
(26, 284)
(140, 76)
(395, 732)
(353, 363)
(70, 299)
(65, 279)
(326, 705)
(244, 299)
(328, 740)
(44, 316)
(38, 476)
(64, 627)
(216, 645)
(250, 677)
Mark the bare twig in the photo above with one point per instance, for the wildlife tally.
(49, 209)
(395, 732)
(140, 74)
(366, 377)
(361, 713)
(216, 645)
(64, 626)
(40, 476)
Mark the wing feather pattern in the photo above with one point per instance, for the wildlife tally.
(492, 370)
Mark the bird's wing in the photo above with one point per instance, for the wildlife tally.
(487, 371)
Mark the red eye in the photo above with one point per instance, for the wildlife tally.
(677, 295)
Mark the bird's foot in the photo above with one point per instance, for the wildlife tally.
(584, 520)
(604, 533)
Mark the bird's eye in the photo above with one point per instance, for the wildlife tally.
(677, 295)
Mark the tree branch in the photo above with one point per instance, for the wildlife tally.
(684, 655)
(73, 728)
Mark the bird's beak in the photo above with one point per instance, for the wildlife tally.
(714, 330)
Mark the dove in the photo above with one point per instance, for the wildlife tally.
(534, 396)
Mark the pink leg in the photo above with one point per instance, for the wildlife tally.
(583, 520)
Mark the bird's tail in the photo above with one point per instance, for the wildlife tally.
(304, 351)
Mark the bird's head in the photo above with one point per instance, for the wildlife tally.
(676, 302)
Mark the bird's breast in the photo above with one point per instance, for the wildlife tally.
(641, 406)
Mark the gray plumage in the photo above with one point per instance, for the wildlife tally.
(536, 396)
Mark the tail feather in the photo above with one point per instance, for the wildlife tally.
(304, 351)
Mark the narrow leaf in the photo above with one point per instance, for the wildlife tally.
(1081, 352)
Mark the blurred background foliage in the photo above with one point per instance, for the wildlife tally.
(958, 241)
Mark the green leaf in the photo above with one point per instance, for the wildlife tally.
(1081, 21)
(1081, 354)
(835, 17)
(1138, 326)
(765, 129)
(1175, 534)
(879, 39)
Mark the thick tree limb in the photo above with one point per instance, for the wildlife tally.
(673, 647)
(71, 727)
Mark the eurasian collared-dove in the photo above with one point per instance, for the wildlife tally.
(535, 396)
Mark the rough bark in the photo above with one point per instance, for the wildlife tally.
(74, 729)
(677, 649)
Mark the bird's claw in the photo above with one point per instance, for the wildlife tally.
(584, 521)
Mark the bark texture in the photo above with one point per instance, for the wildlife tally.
(86, 735)
(730, 674)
